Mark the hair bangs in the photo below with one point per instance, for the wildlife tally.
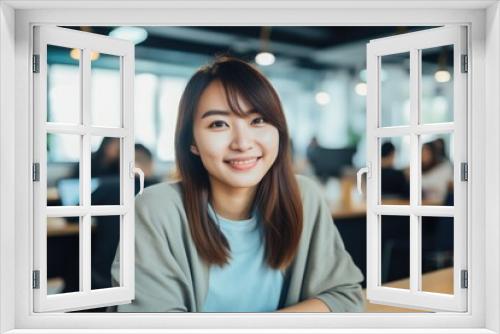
(249, 85)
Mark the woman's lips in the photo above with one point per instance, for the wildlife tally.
(243, 165)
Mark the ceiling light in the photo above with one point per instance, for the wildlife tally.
(361, 89)
(442, 76)
(322, 98)
(264, 58)
(75, 54)
(134, 34)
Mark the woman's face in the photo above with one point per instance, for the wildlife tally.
(236, 151)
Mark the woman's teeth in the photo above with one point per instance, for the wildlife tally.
(243, 165)
(242, 162)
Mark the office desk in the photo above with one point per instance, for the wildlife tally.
(345, 212)
(358, 210)
(58, 227)
(439, 280)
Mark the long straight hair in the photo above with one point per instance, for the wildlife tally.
(277, 198)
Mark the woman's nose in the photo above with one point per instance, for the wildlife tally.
(242, 138)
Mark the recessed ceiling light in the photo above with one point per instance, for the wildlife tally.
(442, 76)
(322, 98)
(75, 54)
(134, 34)
(264, 58)
(361, 89)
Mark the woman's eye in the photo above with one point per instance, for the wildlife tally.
(217, 124)
(258, 120)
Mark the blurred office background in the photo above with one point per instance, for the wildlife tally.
(320, 75)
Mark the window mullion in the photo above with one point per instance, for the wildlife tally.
(85, 241)
(415, 250)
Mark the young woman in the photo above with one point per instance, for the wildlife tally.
(239, 232)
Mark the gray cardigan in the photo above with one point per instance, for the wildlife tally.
(171, 277)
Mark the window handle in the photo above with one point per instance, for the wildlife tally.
(141, 179)
(360, 173)
(135, 170)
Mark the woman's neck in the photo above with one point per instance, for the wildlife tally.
(232, 203)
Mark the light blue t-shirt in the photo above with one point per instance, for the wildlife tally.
(246, 283)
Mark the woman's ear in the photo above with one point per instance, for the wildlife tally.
(194, 150)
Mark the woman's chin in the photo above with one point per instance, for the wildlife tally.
(242, 180)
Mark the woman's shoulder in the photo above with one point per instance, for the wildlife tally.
(163, 194)
(315, 207)
(309, 189)
(160, 206)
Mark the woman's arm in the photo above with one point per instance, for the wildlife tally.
(328, 272)
(161, 284)
(310, 305)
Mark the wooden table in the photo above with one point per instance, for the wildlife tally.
(357, 210)
(436, 281)
(353, 211)
(59, 227)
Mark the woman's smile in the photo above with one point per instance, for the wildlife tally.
(243, 164)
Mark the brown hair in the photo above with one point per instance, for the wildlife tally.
(277, 197)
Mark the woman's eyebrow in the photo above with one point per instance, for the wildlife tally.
(215, 112)
(225, 113)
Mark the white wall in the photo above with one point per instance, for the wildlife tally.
(7, 168)
(493, 164)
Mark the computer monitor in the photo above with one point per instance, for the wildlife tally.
(69, 190)
(328, 162)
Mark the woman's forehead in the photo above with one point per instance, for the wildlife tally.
(215, 98)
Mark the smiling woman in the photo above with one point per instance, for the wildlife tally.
(239, 232)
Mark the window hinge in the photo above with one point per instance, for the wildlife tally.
(36, 279)
(464, 284)
(465, 64)
(36, 63)
(464, 171)
(36, 171)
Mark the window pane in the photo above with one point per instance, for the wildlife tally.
(437, 85)
(437, 254)
(63, 169)
(395, 270)
(105, 239)
(63, 255)
(395, 89)
(170, 92)
(106, 90)
(105, 171)
(63, 85)
(437, 169)
(395, 170)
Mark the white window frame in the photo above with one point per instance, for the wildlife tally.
(85, 298)
(414, 44)
(16, 20)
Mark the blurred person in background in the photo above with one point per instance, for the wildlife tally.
(441, 155)
(105, 162)
(106, 234)
(394, 182)
(144, 161)
(437, 174)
